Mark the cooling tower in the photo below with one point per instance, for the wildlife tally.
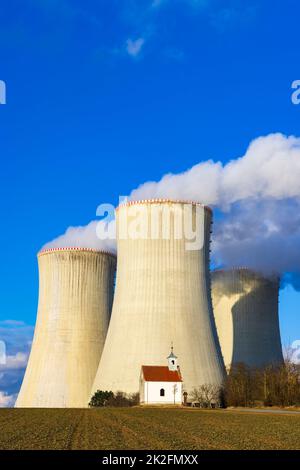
(246, 313)
(75, 298)
(162, 296)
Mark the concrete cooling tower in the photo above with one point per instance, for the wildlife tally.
(246, 313)
(162, 296)
(75, 298)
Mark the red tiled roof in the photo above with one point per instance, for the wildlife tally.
(160, 374)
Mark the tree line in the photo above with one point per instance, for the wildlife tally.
(270, 386)
(248, 387)
(243, 386)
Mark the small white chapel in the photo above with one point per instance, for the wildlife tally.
(161, 384)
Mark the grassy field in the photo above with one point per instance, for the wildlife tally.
(150, 428)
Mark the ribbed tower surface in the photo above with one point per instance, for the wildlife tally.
(246, 313)
(75, 298)
(162, 296)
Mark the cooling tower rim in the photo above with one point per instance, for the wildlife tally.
(246, 269)
(163, 201)
(47, 251)
(233, 268)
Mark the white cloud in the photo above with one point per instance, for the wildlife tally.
(291, 352)
(134, 47)
(17, 337)
(15, 361)
(295, 351)
(6, 400)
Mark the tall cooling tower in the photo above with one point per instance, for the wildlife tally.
(162, 296)
(246, 313)
(75, 299)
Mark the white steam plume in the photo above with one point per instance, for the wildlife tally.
(269, 169)
(83, 237)
(257, 197)
(257, 206)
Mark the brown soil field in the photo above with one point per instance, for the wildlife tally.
(146, 428)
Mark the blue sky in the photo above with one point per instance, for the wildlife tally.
(104, 95)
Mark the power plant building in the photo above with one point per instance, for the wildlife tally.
(246, 313)
(162, 296)
(75, 298)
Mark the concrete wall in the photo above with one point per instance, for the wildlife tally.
(150, 393)
(162, 296)
(75, 298)
(246, 312)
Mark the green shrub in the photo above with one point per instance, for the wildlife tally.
(118, 399)
(100, 398)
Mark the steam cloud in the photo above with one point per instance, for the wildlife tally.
(83, 237)
(270, 169)
(257, 206)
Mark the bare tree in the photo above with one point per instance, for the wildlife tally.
(175, 388)
(275, 385)
(206, 395)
